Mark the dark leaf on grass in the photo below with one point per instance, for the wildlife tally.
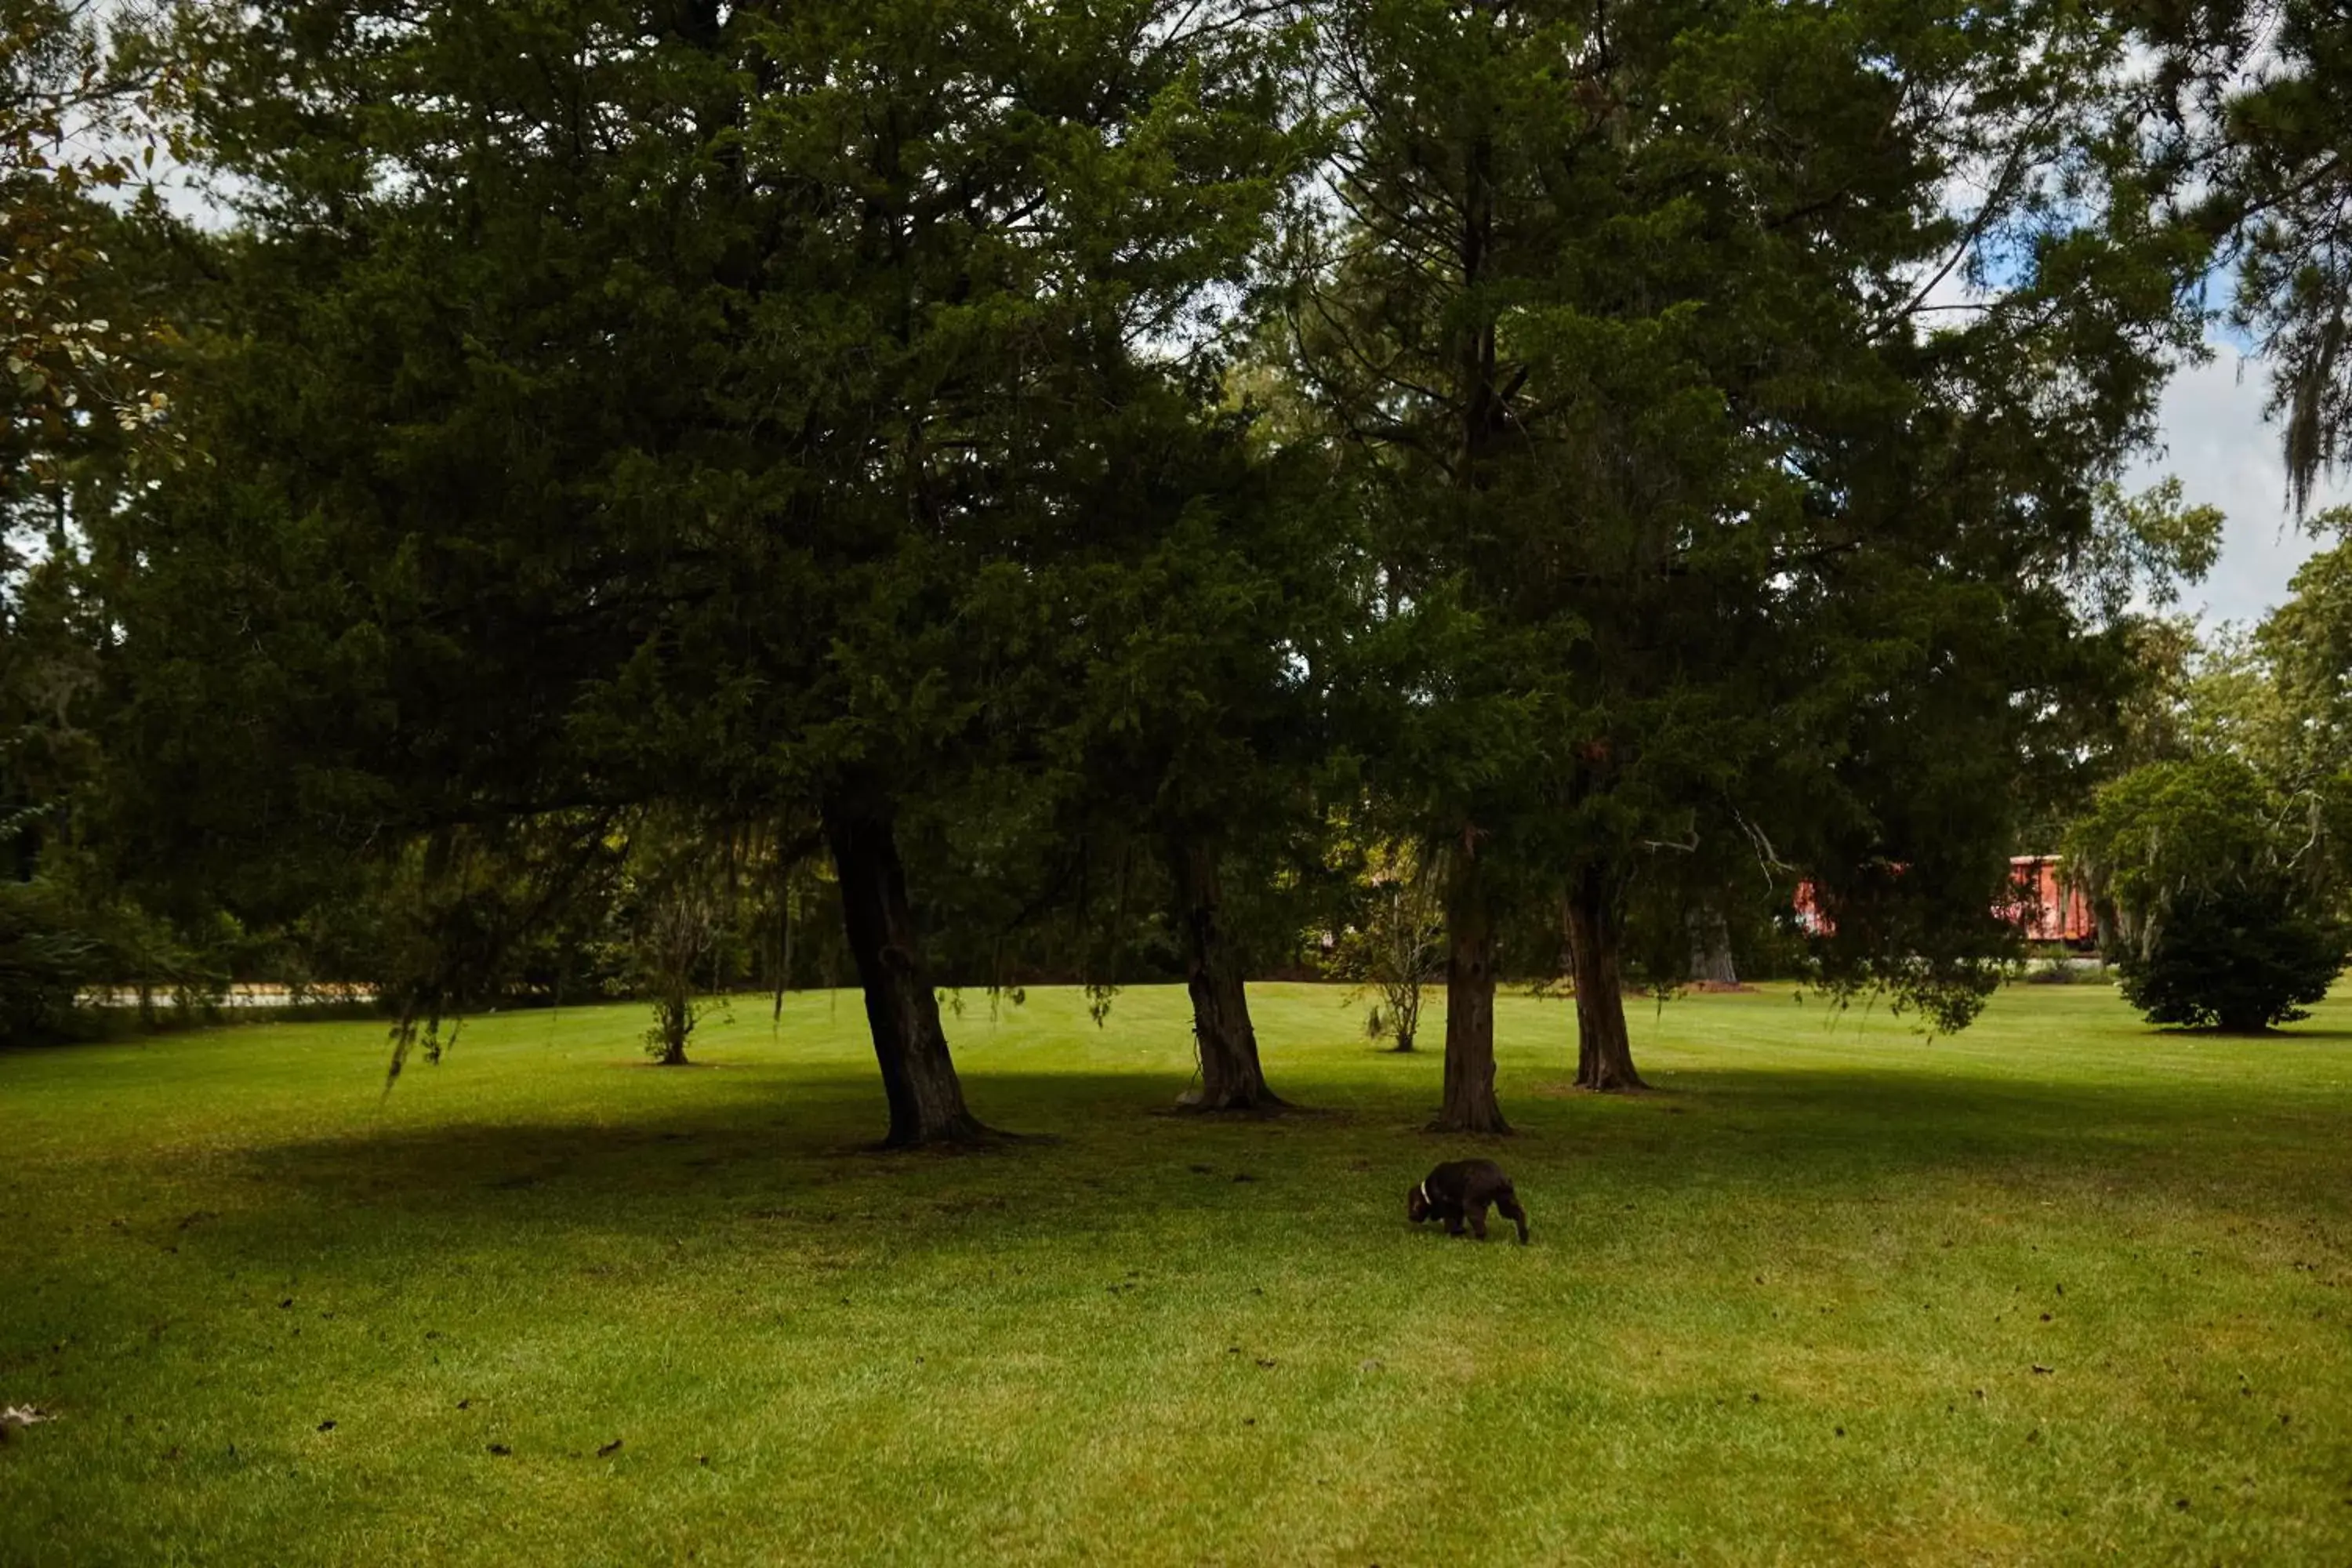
(609, 1449)
(501, 1449)
(1264, 1363)
(326, 1425)
(2042, 1372)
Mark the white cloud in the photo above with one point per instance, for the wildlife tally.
(2214, 439)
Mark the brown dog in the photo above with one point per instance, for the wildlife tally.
(1460, 1190)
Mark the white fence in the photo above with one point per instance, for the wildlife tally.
(235, 997)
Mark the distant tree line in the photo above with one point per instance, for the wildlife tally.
(2218, 856)
(677, 495)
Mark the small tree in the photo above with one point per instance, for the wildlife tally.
(1398, 941)
(2217, 887)
(2240, 958)
(678, 930)
(677, 915)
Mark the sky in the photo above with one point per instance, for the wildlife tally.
(2213, 437)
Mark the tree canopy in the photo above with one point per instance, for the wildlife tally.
(1736, 478)
(1063, 484)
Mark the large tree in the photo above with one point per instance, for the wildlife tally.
(619, 403)
(82, 408)
(2268, 86)
(1199, 612)
(1738, 380)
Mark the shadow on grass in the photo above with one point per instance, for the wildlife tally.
(2286, 1034)
(1782, 1135)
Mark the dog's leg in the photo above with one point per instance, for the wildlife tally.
(1478, 1220)
(1453, 1223)
(1508, 1206)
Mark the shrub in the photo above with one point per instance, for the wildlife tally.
(44, 960)
(2238, 957)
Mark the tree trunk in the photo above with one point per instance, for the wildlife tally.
(1470, 1105)
(1604, 1053)
(673, 1043)
(1710, 936)
(674, 1015)
(919, 1077)
(1408, 1024)
(1230, 1077)
(1403, 997)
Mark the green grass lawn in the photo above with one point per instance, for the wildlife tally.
(2060, 1289)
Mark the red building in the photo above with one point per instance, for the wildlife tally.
(2044, 905)
(2048, 907)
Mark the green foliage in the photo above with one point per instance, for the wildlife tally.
(2275, 77)
(2163, 829)
(2152, 542)
(734, 420)
(1394, 942)
(675, 893)
(2222, 898)
(2305, 645)
(45, 958)
(1708, 536)
(1670, 452)
(463, 917)
(2238, 956)
(78, 371)
(82, 411)
(2221, 860)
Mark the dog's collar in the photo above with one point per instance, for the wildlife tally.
(1425, 1191)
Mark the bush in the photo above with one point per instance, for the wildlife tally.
(2240, 958)
(44, 960)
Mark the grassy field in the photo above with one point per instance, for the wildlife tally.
(2060, 1290)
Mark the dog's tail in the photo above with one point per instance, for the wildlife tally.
(1508, 1206)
